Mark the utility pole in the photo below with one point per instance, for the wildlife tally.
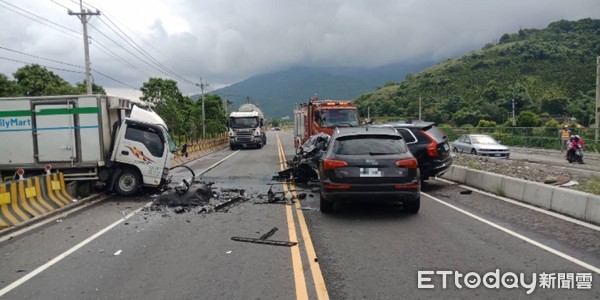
(202, 86)
(597, 97)
(420, 106)
(84, 15)
(513, 113)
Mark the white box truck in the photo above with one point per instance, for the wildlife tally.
(88, 138)
(247, 127)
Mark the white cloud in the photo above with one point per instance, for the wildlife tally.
(225, 41)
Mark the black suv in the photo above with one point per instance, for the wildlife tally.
(368, 163)
(427, 143)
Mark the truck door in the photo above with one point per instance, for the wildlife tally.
(55, 132)
(144, 147)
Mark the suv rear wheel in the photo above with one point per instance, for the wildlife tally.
(413, 206)
(325, 206)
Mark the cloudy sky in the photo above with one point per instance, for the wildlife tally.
(226, 41)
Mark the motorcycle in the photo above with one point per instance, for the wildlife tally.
(575, 155)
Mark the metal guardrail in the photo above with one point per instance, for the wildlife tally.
(529, 137)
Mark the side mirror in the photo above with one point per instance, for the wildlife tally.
(261, 122)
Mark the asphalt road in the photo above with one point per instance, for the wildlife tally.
(364, 250)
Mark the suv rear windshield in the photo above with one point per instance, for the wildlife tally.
(437, 134)
(369, 145)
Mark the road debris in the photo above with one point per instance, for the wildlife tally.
(466, 192)
(230, 203)
(228, 252)
(269, 233)
(117, 253)
(570, 183)
(264, 239)
(265, 242)
(301, 169)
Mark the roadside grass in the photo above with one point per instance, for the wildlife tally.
(499, 191)
(591, 186)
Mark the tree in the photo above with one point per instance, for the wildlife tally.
(81, 89)
(168, 101)
(8, 88)
(158, 89)
(466, 116)
(216, 121)
(554, 106)
(35, 80)
(527, 119)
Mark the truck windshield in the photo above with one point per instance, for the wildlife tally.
(245, 122)
(339, 117)
(172, 146)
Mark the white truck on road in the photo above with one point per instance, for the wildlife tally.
(88, 138)
(247, 127)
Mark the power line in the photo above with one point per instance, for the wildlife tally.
(67, 70)
(131, 53)
(59, 4)
(137, 47)
(39, 57)
(125, 37)
(106, 50)
(29, 63)
(113, 79)
(39, 17)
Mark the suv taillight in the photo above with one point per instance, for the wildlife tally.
(432, 147)
(410, 163)
(330, 164)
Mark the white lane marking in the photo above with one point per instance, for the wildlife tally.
(217, 163)
(515, 202)
(60, 257)
(57, 259)
(522, 237)
(36, 225)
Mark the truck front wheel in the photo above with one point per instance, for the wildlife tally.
(128, 182)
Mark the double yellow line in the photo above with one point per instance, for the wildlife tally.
(315, 269)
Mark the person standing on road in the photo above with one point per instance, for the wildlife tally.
(564, 138)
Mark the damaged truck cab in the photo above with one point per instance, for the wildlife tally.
(90, 138)
(142, 153)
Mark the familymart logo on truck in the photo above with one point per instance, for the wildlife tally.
(15, 123)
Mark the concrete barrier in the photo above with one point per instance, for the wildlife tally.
(28, 198)
(569, 202)
(538, 194)
(514, 188)
(592, 211)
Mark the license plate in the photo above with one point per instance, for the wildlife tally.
(497, 154)
(446, 147)
(370, 172)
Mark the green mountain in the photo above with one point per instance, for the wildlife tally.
(277, 93)
(550, 72)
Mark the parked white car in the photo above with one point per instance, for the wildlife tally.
(480, 144)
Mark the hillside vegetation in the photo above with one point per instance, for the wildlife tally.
(550, 72)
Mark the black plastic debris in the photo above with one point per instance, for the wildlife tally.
(229, 203)
(264, 239)
(466, 192)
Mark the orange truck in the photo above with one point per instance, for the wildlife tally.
(317, 116)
